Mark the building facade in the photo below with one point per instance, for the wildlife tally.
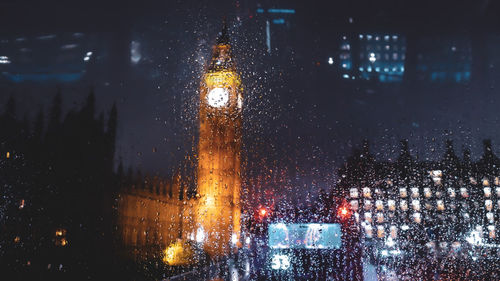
(443, 207)
(159, 213)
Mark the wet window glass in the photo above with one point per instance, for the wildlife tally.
(249, 140)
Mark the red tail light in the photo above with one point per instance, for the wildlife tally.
(344, 212)
(262, 212)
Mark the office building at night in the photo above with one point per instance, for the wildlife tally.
(448, 206)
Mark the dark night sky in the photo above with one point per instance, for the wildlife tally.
(315, 119)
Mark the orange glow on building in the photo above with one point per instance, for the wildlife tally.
(151, 213)
(178, 253)
(218, 210)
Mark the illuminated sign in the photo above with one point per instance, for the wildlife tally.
(281, 11)
(305, 236)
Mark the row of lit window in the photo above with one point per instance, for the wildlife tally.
(437, 175)
(393, 231)
(387, 56)
(427, 192)
(385, 69)
(416, 205)
(417, 217)
(377, 38)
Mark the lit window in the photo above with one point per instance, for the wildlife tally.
(380, 217)
(368, 217)
(361, 36)
(464, 192)
(386, 38)
(498, 191)
(416, 205)
(372, 57)
(491, 231)
(354, 205)
(414, 192)
(354, 192)
(391, 204)
(487, 191)
(379, 205)
(7, 155)
(497, 181)
(345, 47)
(380, 231)
(394, 231)
(490, 217)
(417, 217)
(369, 37)
(488, 204)
(451, 192)
(486, 182)
(436, 173)
(427, 192)
(440, 205)
(403, 205)
(368, 204)
(472, 180)
(368, 231)
(402, 192)
(367, 192)
(436, 176)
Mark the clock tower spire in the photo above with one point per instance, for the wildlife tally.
(218, 208)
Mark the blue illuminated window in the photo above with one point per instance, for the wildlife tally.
(279, 21)
(281, 11)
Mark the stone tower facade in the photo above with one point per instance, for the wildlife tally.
(218, 209)
(152, 214)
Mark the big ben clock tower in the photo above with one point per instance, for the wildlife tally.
(218, 209)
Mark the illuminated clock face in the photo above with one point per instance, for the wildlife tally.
(218, 97)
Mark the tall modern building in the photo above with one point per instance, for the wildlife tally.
(277, 24)
(444, 59)
(377, 57)
(60, 57)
